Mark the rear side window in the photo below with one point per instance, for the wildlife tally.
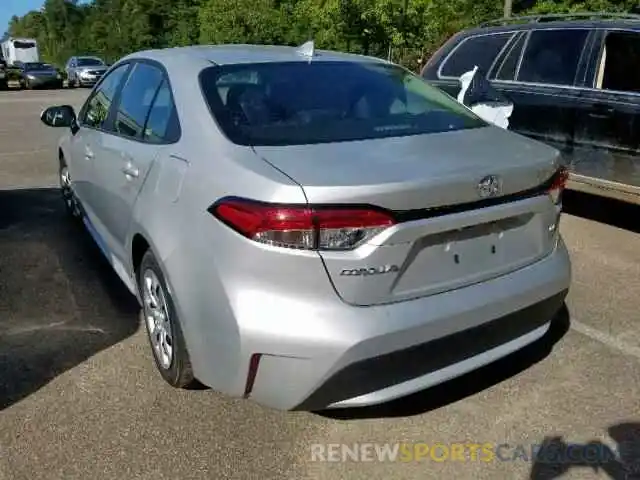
(552, 56)
(293, 103)
(507, 68)
(478, 51)
(162, 123)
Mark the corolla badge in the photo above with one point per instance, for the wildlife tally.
(359, 272)
(490, 186)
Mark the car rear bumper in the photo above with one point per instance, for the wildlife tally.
(402, 372)
(326, 354)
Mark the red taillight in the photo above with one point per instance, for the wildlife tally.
(252, 373)
(558, 183)
(302, 227)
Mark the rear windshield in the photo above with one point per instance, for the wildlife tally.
(89, 62)
(295, 103)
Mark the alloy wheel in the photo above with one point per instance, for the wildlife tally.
(158, 321)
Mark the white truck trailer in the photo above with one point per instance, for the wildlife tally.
(20, 50)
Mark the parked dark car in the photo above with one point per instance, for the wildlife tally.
(4, 80)
(39, 75)
(575, 83)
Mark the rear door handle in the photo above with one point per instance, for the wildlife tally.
(130, 170)
(601, 111)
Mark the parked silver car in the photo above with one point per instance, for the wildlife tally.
(85, 71)
(312, 229)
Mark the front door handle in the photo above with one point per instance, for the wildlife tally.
(130, 170)
(88, 153)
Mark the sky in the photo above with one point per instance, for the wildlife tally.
(9, 8)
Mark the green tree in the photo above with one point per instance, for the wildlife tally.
(406, 29)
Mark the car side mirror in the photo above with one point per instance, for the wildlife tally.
(59, 116)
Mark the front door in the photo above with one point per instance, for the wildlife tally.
(538, 73)
(608, 130)
(85, 144)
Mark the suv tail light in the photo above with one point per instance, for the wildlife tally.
(558, 183)
(302, 227)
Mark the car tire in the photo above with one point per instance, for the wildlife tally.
(68, 197)
(163, 325)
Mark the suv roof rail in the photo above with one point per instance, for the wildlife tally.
(561, 16)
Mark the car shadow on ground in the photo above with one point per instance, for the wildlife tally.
(60, 302)
(466, 385)
(555, 456)
(602, 210)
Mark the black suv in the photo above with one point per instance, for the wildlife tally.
(4, 80)
(575, 84)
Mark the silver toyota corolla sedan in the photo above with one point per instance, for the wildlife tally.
(311, 229)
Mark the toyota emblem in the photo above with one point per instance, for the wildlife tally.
(490, 186)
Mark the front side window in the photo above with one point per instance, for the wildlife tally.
(619, 67)
(292, 103)
(136, 98)
(478, 51)
(552, 56)
(97, 108)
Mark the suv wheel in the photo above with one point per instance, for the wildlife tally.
(163, 326)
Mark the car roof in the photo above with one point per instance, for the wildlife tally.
(232, 54)
(633, 24)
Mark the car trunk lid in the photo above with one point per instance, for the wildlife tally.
(446, 236)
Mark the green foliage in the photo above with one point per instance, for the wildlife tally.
(404, 29)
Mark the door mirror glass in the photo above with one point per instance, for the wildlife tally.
(59, 116)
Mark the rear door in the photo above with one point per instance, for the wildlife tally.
(608, 131)
(539, 74)
(128, 150)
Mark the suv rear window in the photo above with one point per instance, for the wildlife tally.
(293, 103)
(479, 50)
